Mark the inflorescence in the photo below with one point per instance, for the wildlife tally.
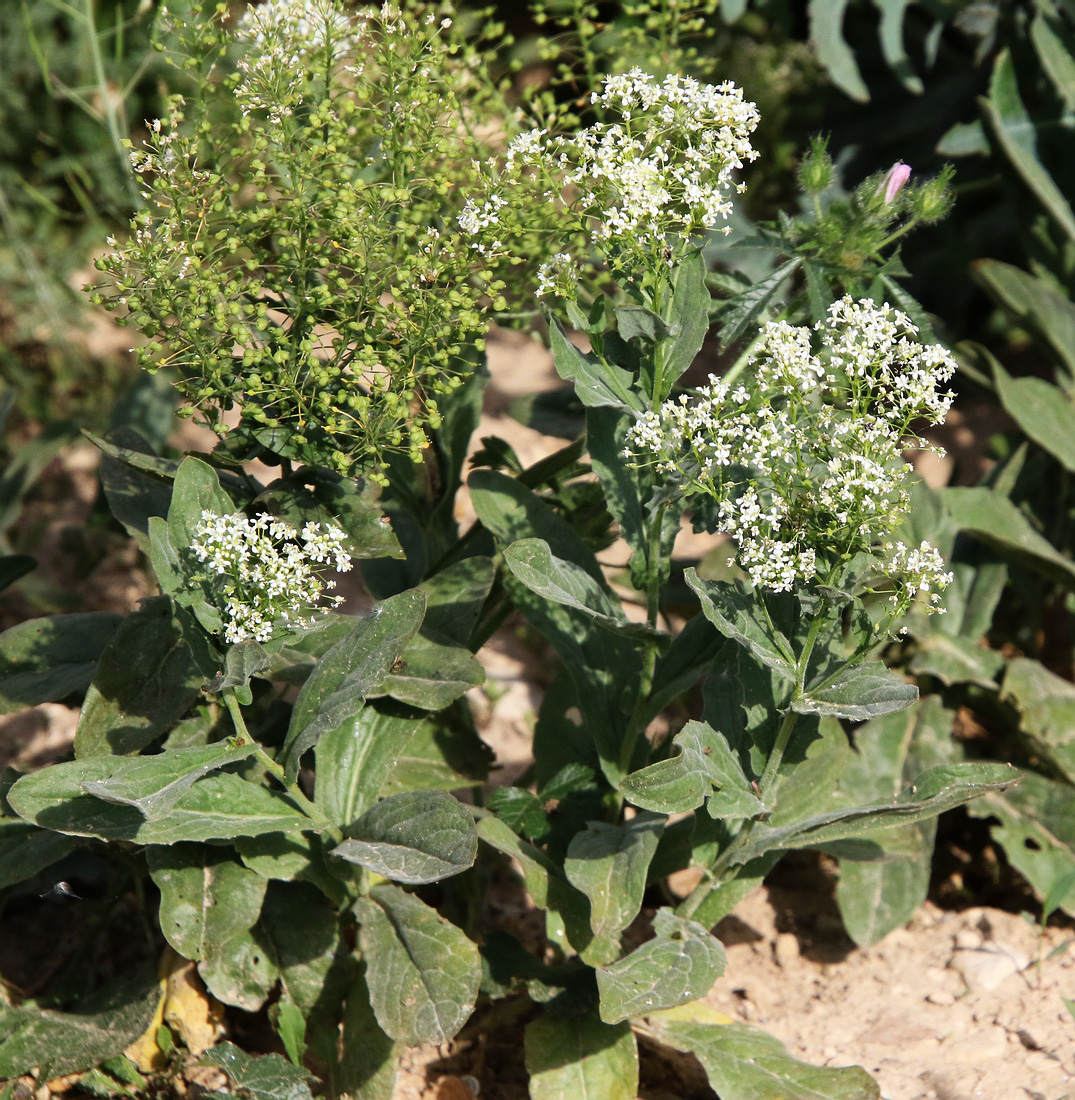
(639, 187)
(264, 575)
(805, 463)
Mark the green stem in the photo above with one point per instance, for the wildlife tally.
(310, 809)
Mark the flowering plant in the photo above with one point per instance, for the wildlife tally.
(336, 297)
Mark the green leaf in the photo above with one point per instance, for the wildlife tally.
(423, 972)
(1034, 302)
(353, 668)
(678, 965)
(637, 322)
(740, 313)
(521, 810)
(432, 674)
(260, 1076)
(1035, 823)
(826, 34)
(690, 306)
(196, 490)
(1016, 134)
(996, 521)
(25, 849)
(45, 660)
(220, 806)
(420, 836)
(610, 865)
(455, 596)
(938, 789)
(740, 614)
(955, 660)
(745, 1064)
(1043, 411)
(891, 36)
(858, 692)
(704, 767)
(1046, 703)
(596, 382)
(369, 1058)
(146, 680)
(1055, 54)
(581, 1058)
(154, 784)
(445, 753)
(137, 484)
(66, 1042)
(209, 904)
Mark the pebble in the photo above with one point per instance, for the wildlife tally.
(984, 1046)
(785, 949)
(986, 967)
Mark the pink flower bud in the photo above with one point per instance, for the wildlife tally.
(894, 180)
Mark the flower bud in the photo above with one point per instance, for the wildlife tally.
(815, 169)
(894, 180)
(934, 199)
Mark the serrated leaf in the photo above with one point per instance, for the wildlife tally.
(146, 679)
(610, 865)
(582, 1058)
(419, 836)
(260, 1076)
(743, 1063)
(45, 660)
(349, 671)
(858, 692)
(596, 382)
(736, 315)
(678, 965)
(704, 767)
(423, 972)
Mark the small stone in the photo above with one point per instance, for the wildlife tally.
(984, 1046)
(984, 968)
(785, 949)
(944, 998)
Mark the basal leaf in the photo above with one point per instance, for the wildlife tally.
(743, 1063)
(582, 1058)
(678, 965)
(260, 1076)
(45, 660)
(349, 672)
(419, 836)
(954, 660)
(610, 865)
(1046, 703)
(146, 679)
(423, 972)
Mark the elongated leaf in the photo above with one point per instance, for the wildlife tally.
(432, 674)
(738, 614)
(454, 598)
(67, 1042)
(937, 790)
(994, 520)
(1043, 411)
(1035, 823)
(582, 1058)
(420, 836)
(154, 784)
(25, 849)
(220, 806)
(368, 1060)
(679, 964)
(1034, 302)
(1055, 54)
(445, 753)
(596, 383)
(610, 865)
(196, 490)
(136, 483)
(738, 314)
(45, 660)
(145, 681)
(1015, 133)
(859, 692)
(891, 35)
(955, 660)
(704, 768)
(423, 973)
(349, 671)
(1046, 703)
(743, 1063)
(209, 903)
(261, 1077)
(690, 308)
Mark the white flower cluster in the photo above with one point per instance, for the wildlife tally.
(281, 38)
(264, 573)
(806, 464)
(662, 173)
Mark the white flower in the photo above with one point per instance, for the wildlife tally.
(264, 573)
